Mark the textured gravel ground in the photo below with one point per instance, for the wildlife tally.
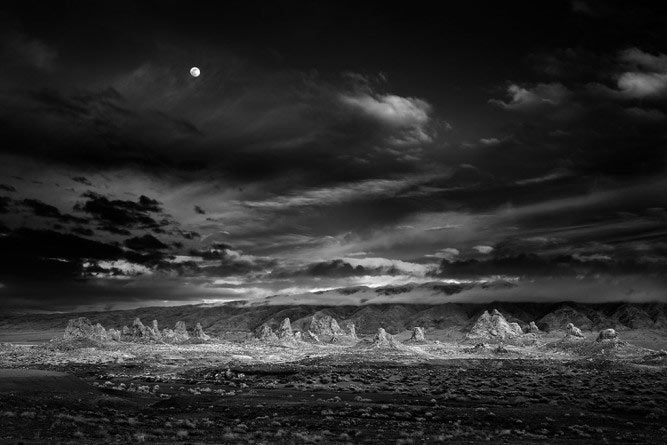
(264, 394)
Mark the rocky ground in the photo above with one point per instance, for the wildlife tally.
(372, 390)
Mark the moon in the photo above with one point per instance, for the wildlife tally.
(194, 71)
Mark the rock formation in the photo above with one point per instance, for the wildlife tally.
(78, 328)
(113, 334)
(381, 337)
(139, 331)
(493, 327)
(156, 330)
(532, 328)
(82, 328)
(266, 334)
(607, 334)
(384, 340)
(199, 332)
(417, 335)
(325, 325)
(285, 330)
(99, 333)
(181, 329)
(573, 331)
(350, 329)
(178, 335)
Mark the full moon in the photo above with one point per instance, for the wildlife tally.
(194, 71)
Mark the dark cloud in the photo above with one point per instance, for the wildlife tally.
(81, 180)
(340, 268)
(199, 210)
(28, 254)
(45, 210)
(145, 242)
(190, 235)
(335, 268)
(7, 188)
(223, 261)
(120, 215)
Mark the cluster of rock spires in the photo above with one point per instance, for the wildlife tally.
(320, 328)
(325, 328)
(492, 327)
(82, 328)
(383, 339)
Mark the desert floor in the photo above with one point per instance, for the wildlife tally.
(308, 393)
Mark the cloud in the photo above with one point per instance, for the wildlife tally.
(439, 228)
(145, 242)
(489, 141)
(410, 116)
(358, 267)
(533, 98)
(391, 266)
(448, 253)
(350, 191)
(485, 250)
(81, 180)
(336, 268)
(223, 261)
(115, 269)
(638, 75)
(641, 59)
(642, 85)
(119, 215)
(575, 125)
(42, 209)
(46, 254)
(546, 178)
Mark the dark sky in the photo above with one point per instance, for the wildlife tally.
(329, 144)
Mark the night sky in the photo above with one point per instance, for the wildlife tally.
(329, 144)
